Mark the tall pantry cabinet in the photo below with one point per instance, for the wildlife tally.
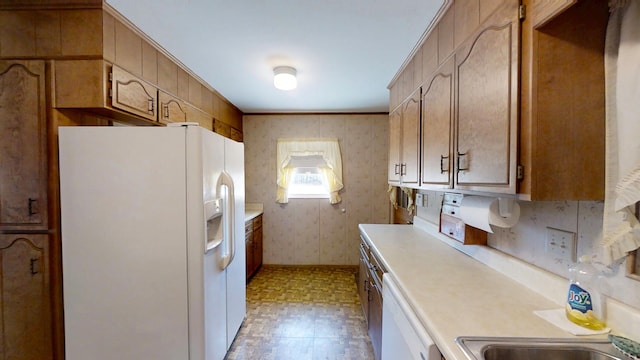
(25, 292)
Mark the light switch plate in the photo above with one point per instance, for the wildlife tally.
(419, 200)
(561, 243)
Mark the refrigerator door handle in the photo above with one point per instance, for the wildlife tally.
(229, 239)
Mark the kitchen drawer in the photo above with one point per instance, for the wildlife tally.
(452, 199)
(248, 226)
(377, 269)
(364, 249)
(458, 230)
(451, 210)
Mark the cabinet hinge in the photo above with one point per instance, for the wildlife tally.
(110, 93)
(522, 12)
(111, 76)
(520, 172)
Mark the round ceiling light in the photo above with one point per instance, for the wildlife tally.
(284, 78)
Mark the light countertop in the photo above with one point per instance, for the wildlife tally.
(455, 295)
(251, 210)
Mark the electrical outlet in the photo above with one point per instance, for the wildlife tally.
(561, 244)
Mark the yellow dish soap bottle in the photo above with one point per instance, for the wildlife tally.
(584, 301)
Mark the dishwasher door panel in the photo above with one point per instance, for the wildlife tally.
(403, 336)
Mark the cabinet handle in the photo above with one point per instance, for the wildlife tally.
(396, 170)
(151, 106)
(442, 170)
(31, 208)
(165, 111)
(458, 161)
(403, 169)
(32, 266)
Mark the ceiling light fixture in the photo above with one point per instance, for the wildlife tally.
(284, 78)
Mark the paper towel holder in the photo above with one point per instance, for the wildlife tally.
(505, 206)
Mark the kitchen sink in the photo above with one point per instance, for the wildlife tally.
(512, 348)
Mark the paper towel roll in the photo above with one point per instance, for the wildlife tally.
(482, 212)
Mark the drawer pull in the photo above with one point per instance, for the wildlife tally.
(31, 207)
(442, 158)
(460, 155)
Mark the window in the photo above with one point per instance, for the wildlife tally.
(309, 168)
(308, 182)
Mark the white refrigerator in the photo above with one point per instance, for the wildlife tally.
(153, 249)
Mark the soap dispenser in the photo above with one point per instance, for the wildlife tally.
(585, 305)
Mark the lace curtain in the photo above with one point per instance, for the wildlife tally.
(328, 149)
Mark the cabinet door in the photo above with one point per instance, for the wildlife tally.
(131, 94)
(222, 128)
(437, 120)
(395, 124)
(257, 248)
(25, 295)
(171, 109)
(236, 135)
(23, 146)
(248, 248)
(409, 168)
(487, 77)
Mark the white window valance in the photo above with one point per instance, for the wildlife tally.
(328, 149)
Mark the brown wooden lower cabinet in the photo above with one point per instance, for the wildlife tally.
(253, 245)
(25, 297)
(364, 279)
(370, 292)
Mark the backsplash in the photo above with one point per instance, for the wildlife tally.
(527, 240)
(312, 231)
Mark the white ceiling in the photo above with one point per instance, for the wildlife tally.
(346, 52)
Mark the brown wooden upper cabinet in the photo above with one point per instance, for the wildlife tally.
(23, 146)
(562, 117)
(132, 94)
(395, 128)
(171, 109)
(437, 128)
(404, 142)
(487, 104)
(517, 107)
(83, 39)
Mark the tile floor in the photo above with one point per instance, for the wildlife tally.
(302, 313)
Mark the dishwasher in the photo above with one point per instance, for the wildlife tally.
(403, 336)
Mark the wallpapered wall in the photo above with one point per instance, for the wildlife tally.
(527, 239)
(312, 231)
